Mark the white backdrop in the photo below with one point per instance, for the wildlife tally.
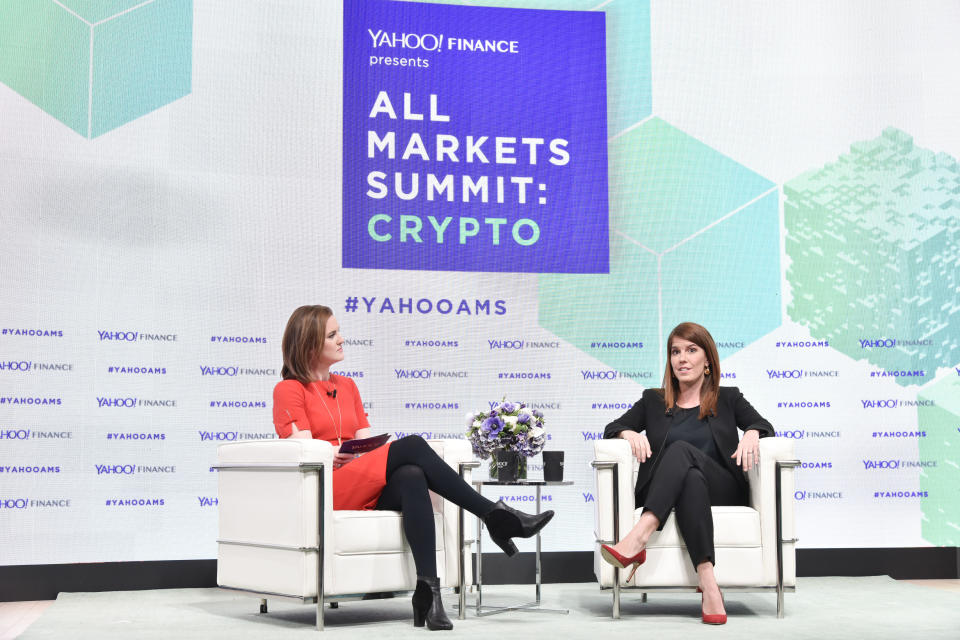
(214, 216)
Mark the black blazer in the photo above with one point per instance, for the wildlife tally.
(649, 413)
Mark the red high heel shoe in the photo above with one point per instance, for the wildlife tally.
(611, 556)
(712, 618)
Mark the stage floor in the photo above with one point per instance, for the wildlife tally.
(822, 608)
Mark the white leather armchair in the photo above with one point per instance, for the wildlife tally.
(754, 544)
(279, 536)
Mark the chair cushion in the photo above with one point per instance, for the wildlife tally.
(732, 527)
(375, 532)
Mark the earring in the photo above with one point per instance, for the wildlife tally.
(706, 370)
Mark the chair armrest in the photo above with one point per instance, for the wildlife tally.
(284, 487)
(608, 453)
(763, 498)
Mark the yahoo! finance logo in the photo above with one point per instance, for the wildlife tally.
(131, 469)
(517, 344)
(24, 504)
(800, 434)
(125, 335)
(891, 343)
(893, 464)
(795, 374)
(428, 374)
(131, 403)
(893, 403)
(231, 371)
(438, 180)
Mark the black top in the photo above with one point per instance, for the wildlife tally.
(688, 427)
(650, 414)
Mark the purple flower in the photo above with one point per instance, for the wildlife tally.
(538, 413)
(523, 418)
(492, 426)
(507, 407)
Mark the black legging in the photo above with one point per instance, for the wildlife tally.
(413, 467)
(691, 481)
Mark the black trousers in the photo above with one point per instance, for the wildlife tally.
(690, 481)
(413, 468)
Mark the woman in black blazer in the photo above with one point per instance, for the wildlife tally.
(695, 459)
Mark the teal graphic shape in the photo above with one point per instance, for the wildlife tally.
(940, 524)
(694, 236)
(629, 92)
(873, 242)
(96, 65)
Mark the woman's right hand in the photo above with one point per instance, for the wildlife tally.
(639, 444)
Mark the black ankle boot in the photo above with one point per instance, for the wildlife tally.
(504, 522)
(428, 606)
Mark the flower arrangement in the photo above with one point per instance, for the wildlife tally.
(512, 426)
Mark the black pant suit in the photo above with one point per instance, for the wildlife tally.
(690, 469)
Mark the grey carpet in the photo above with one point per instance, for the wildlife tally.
(822, 608)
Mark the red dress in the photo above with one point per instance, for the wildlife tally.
(357, 484)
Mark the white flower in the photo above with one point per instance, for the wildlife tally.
(535, 432)
(477, 424)
(510, 420)
(470, 418)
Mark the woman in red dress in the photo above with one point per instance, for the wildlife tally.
(311, 402)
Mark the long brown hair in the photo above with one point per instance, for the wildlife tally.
(699, 336)
(306, 330)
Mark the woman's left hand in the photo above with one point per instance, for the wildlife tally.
(748, 451)
(340, 459)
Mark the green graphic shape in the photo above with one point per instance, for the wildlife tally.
(873, 243)
(940, 524)
(95, 65)
(694, 236)
(629, 92)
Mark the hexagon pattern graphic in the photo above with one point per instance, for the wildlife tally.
(95, 65)
(941, 422)
(694, 236)
(873, 239)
